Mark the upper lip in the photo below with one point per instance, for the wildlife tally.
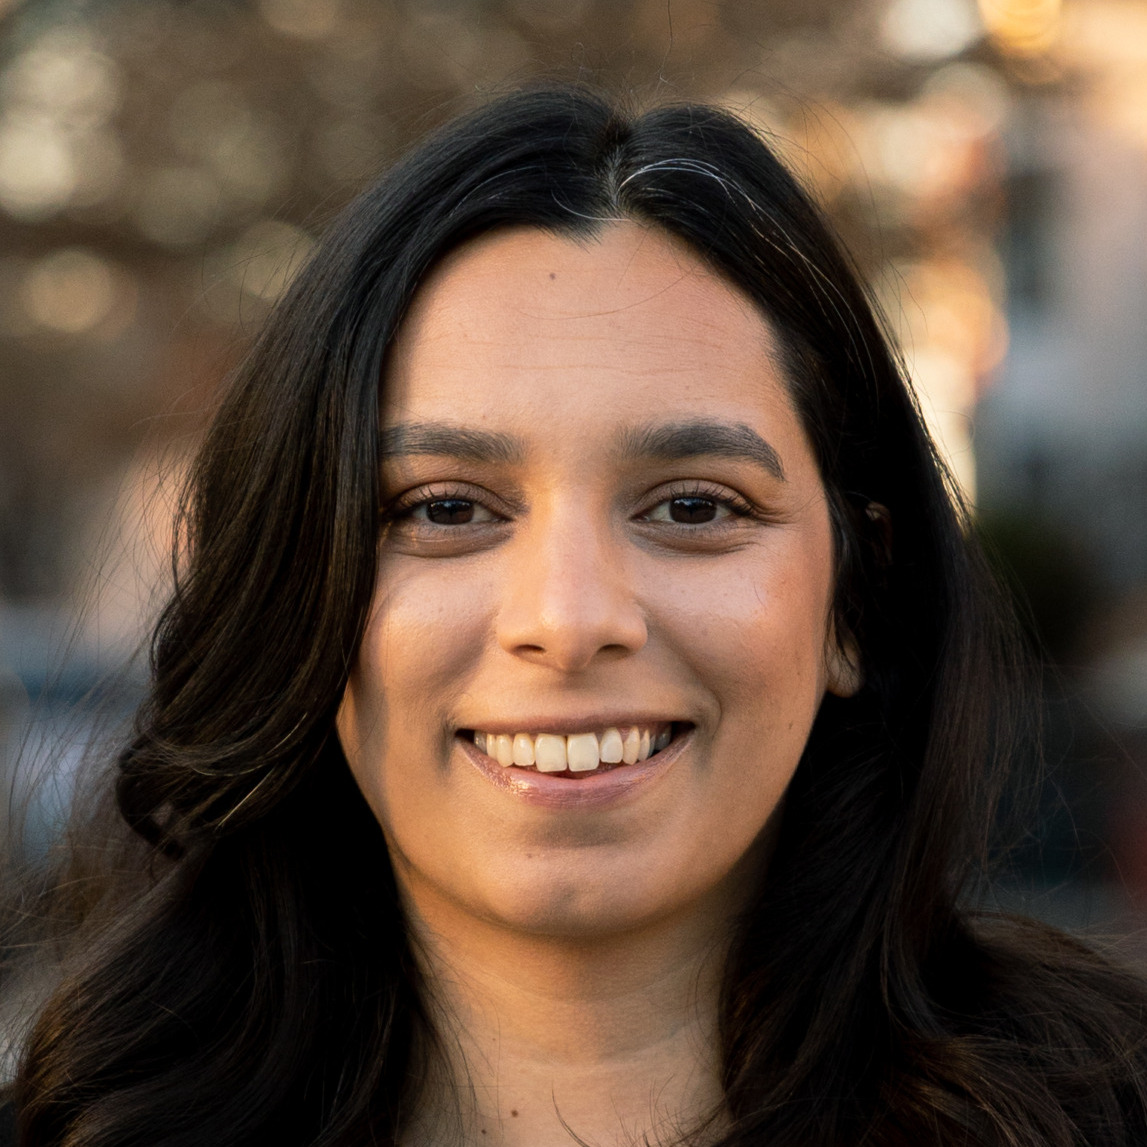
(586, 723)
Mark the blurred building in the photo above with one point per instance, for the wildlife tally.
(1062, 434)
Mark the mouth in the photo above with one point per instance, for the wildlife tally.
(577, 755)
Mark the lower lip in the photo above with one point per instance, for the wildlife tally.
(590, 791)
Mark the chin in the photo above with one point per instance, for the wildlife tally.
(602, 899)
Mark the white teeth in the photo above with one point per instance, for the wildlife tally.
(612, 750)
(550, 753)
(577, 752)
(523, 749)
(581, 752)
(632, 747)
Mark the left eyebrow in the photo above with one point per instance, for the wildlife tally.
(676, 440)
(448, 441)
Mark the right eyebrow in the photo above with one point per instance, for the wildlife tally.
(448, 441)
(697, 437)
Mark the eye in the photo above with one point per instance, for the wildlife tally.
(427, 509)
(444, 520)
(697, 508)
(693, 511)
(451, 512)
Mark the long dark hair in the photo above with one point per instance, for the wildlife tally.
(258, 985)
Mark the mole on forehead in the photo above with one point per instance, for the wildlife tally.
(628, 262)
(671, 440)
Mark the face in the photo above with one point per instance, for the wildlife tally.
(607, 558)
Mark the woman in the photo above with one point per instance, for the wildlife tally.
(590, 733)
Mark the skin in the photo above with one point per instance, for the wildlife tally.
(574, 953)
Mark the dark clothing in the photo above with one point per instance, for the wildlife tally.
(7, 1125)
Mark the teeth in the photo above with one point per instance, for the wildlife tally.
(550, 752)
(523, 749)
(632, 747)
(581, 751)
(612, 749)
(578, 752)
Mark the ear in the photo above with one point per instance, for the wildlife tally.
(843, 677)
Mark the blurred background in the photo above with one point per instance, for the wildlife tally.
(165, 164)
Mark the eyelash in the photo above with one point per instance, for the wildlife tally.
(721, 496)
(405, 506)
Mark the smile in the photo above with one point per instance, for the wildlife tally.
(591, 752)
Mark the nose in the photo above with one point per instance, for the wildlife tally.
(569, 597)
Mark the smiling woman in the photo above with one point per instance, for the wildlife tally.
(545, 598)
(581, 711)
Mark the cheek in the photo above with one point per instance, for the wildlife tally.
(761, 650)
(428, 625)
(757, 629)
(423, 640)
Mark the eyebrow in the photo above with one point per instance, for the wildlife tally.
(677, 440)
(448, 441)
(668, 442)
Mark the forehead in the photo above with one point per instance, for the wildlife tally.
(626, 321)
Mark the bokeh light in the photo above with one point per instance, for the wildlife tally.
(931, 29)
(56, 99)
(1023, 27)
(70, 291)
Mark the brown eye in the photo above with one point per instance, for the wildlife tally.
(698, 508)
(450, 511)
(692, 511)
(446, 509)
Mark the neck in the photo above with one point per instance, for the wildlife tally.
(546, 1039)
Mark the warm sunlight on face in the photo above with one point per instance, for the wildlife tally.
(601, 629)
